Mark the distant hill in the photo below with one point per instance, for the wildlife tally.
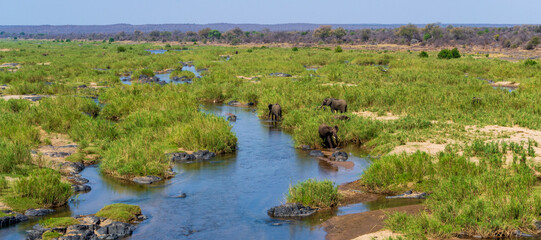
(115, 28)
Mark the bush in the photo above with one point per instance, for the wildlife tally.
(338, 49)
(295, 49)
(180, 73)
(120, 212)
(423, 54)
(45, 187)
(448, 54)
(314, 193)
(530, 62)
(532, 43)
(120, 49)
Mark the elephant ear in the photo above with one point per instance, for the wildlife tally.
(270, 107)
(336, 128)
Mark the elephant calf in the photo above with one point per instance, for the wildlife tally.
(326, 133)
(275, 111)
(335, 104)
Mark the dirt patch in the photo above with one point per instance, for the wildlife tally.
(248, 78)
(95, 85)
(505, 84)
(60, 147)
(5, 49)
(26, 97)
(412, 147)
(352, 193)
(354, 225)
(384, 234)
(387, 117)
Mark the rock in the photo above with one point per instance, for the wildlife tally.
(38, 212)
(146, 179)
(78, 180)
(182, 195)
(80, 188)
(33, 99)
(538, 225)
(306, 147)
(35, 234)
(250, 104)
(82, 86)
(316, 153)
(520, 234)
(234, 103)
(231, 117)
(11, 220)
(279, 74)
(409, 195)
(71, 168)
(342, 117)
(339, 156)
(290, 210)
(57, 154)
(147, 79)
(204, 155)
(181, 157)
(68, 146)
(115, 230)
(91, 220)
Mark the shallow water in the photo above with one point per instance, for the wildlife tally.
(228, 196)
(166, 76)
(156, 51)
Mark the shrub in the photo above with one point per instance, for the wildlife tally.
(530, 62)
(314, 193)
(448, 54)
(45, 187)
(338, 49)
(120, 49)
(295, 49)
(423, 54)
(120, 212)
(532, 43)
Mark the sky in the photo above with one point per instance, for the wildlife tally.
(101, 12)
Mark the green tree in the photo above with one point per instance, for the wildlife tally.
(111, 40)
(409, 31)
(339, 32)
(204, 33)
(323, 32)
(214, 34)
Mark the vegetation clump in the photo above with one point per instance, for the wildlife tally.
(45, 187)
(314, 193)
(182, 74)
(449, 54)
(423, 54)
(120, 212)
(59, 222)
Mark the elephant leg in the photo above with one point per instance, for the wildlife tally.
(329, 140)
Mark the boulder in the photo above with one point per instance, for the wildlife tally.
(146, 179)
(80, 188)
(71, 168)
(182, 195)
(409, 195)
(316, 153)
(57, 154)
(38, 212)
(204, 155)
(232, 117)
(147, 79)
(234, 103)
(115, 230)
(181, 157)
(13, 219)
(339, 156)
(290, 210)
(306, 147)
(77, 180)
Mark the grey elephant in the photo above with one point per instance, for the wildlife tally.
(327, 133)
(275, 111)
(335, 104)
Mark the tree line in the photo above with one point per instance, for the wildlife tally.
(525, 36)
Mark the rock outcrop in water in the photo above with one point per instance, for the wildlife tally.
(339, 156)
(147, 79)
(409, 195)
(89, 228)
(11, 219)
(186, 157)
(146, 179)
(291, 210)
(316, 153)
(38, 212)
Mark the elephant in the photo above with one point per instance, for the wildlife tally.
(326, 133)
(335, 104)
(275, 111)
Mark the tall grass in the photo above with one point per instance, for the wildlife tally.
(314, 193)
(43, 186)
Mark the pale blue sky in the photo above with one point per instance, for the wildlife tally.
(58, 12)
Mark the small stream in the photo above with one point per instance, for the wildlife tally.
(228, 196)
